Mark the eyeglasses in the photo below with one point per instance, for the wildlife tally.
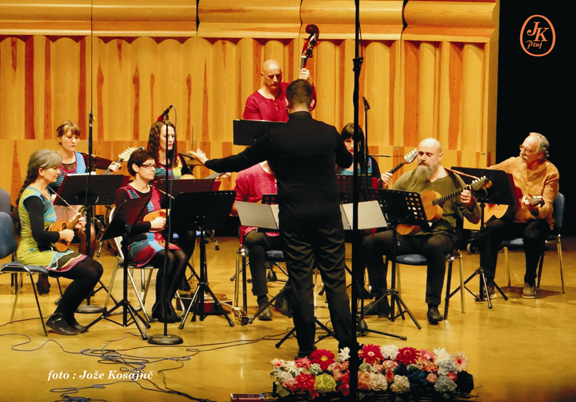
(148, 165)
(524, 149)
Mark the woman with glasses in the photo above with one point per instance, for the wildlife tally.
(146, 244)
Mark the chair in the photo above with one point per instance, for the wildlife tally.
(142, 293)
(418, 260)
(5, 205)
(558, 215)
(9, 246)
(272, 256)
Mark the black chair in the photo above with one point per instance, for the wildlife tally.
(8, 246)
(518, 243)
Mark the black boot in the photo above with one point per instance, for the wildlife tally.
(434, 316)
(75, 324)
(161, 313)
(266, 314)
(42, 284)
(59, 324)
(379, 307)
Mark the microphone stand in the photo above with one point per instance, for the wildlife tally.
(165, 338)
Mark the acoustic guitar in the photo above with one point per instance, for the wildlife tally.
(58, 226)
(497, 211)
(431, 201)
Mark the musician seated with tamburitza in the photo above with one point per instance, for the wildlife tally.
(433, 242)
(534, 176)
(269, 102)
(35, 214)
(251, 185)
(145, 244)
(68, 136)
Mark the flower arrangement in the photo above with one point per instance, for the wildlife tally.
(404, 373)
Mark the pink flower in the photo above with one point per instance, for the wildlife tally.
(323, 357)
(389, 365)
(371, 354)
(302, 362)
(452, 376)
(364, 380)
(291, 384)
(431, 378)
(461, 361)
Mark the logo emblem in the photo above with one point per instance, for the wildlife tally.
(537, 36)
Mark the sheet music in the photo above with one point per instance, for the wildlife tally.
(369, 216)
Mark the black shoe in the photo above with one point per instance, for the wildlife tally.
(163, 315)
(434, 316)
(264, 308)
(185, 286)
(43, 285)
(381, 308)
(302, 354)
(59, 324)
(75, 324)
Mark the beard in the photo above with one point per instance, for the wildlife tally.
(424, 171)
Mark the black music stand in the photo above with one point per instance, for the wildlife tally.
(346, 187)
(125, 216)
(400, 207)
(177, 187)
(76, 189)
(246, 132)
(205, 211)
(501, 191)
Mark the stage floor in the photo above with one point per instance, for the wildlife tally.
(521, 350)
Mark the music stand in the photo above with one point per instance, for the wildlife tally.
(126, 215)
(205, 211)
(346, 187)
(502, 191)
(177, 187)
(76, 189)
(246, 132)
(400, 207)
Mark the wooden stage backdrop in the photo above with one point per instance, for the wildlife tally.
(430, 69)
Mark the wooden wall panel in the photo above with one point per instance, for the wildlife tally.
(435, 78)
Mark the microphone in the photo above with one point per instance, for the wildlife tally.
(165, 114)
(366, 105)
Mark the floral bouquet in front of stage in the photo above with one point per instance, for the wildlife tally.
(385, 372)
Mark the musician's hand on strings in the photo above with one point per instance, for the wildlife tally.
(466, 198)
(304, 74)
(81, 223)
(114, 167)
(66, 235)
(527, 203)
(199, 155)
(158, 223)
(386, 180)
(224, 176)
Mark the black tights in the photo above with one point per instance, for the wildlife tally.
(85, 276)
(169, 277)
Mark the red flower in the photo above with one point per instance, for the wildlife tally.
(323, 357)
(306, 382)
(371, 354)
(345, 385)
(452, 376)
(407, 355)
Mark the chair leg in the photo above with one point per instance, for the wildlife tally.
(559, 248)
(448, 282)
(507, 265)
(462, 283)
(540, 264)
(38, 304)
(17, 285)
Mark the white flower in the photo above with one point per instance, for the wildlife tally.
(389, 351)
(278, 362)
(400, 385)
(441, 355)
(292, 368)
(343, 355)
(378, 382)
(365, 367)
(315, 369)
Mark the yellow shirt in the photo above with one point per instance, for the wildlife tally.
(542, 181)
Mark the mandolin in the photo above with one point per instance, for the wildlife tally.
(431, 201)
(408, 159)
(58, 226)
(497, 211)
(123, 157)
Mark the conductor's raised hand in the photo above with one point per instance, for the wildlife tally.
(199, 155)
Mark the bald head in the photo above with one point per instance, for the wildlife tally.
(272, 75)
(431, 143)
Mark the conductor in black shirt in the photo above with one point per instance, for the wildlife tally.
(302, 154)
